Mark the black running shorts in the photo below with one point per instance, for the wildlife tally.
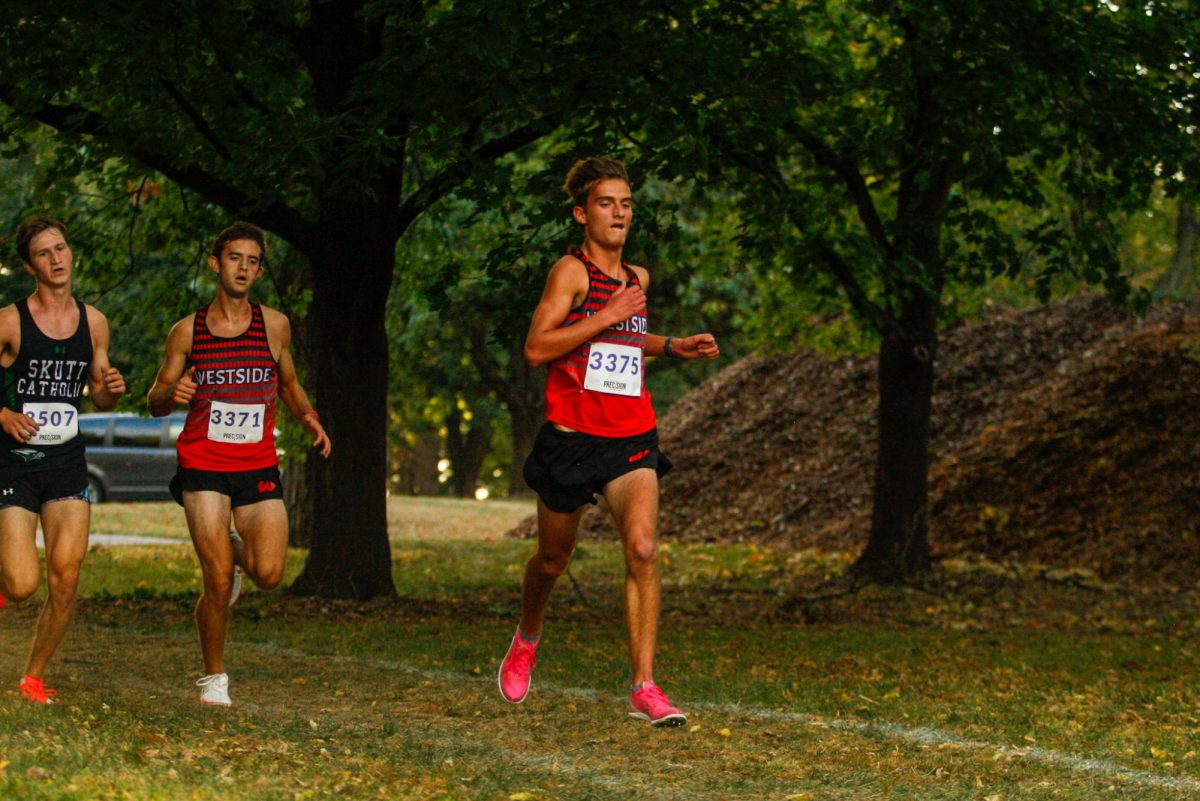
(568, 468)
(243, 488)
(32, 490)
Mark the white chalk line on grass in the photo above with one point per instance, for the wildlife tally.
(923, 735)
(556, 764)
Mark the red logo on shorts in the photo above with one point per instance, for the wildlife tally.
(266, 486)
(639, 455)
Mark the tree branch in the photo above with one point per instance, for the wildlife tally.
(277, 217)
(869, 310)
(856, 186)
(442, 183)
(247, 97)
(193, 114)
(883, 322)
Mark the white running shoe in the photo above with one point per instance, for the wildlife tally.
(214, 689)
(236, 589)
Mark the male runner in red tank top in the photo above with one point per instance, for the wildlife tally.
(229, 362)
(600, 436)
(51, 347)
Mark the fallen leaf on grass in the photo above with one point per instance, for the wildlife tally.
(521, 797)
(724, 732)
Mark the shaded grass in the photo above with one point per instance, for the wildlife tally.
(898, 693)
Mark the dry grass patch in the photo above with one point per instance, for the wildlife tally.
(409, 518)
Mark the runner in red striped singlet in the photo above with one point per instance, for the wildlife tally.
(229, 362)
(600, 437)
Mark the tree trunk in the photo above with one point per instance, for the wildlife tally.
(526, 404)
(467, 451)
(898, 548)
(298, 501)
(350, 556)
(525, 422)
(1180, 275)
(290, 278)
(522, 390)
(424, 465)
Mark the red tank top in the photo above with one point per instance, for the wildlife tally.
(575, 395)
(231, 420)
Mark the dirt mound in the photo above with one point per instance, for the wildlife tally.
(1065, 435)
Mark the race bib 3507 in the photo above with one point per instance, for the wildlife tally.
(59, 422)
(615, 369)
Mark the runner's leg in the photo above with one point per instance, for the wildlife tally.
(19, 571)
(556, 541)
(263, 528)
(208, 517)
(65, 525)
(633, 501)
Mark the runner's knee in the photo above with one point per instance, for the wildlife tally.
(268, 579)
(18, 588)
(218, 587)
(641, 550)
(554, 563)
(62, 581)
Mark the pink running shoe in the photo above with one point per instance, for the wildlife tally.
(516, 668)
(3, 601)
(35, 691)
(650, 703)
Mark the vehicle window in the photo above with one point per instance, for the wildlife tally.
(175, 430)
(137, 432)
(93, 430)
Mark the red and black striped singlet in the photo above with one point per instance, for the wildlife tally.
(238, 383)
(568, 402)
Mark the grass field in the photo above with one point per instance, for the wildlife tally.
(408, 518)
(996, 683)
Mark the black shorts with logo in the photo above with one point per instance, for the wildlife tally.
(31, 490)
(243, 487)
(568, 468)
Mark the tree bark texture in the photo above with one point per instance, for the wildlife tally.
(522, 390)
(298, 501)
(350, 555)
(467, 452)
(898, 547)
(1180, 275)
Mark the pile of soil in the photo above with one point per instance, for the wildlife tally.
(1066, 435)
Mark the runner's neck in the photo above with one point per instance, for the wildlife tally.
(54, 311)
(52, 299)
(607, 260)
(229, 310)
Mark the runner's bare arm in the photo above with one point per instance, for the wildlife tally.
(106, 383)
(10, 335)
(17, 425)
(566, 288)
(290, 391)
(174, 384)
(697, 346)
